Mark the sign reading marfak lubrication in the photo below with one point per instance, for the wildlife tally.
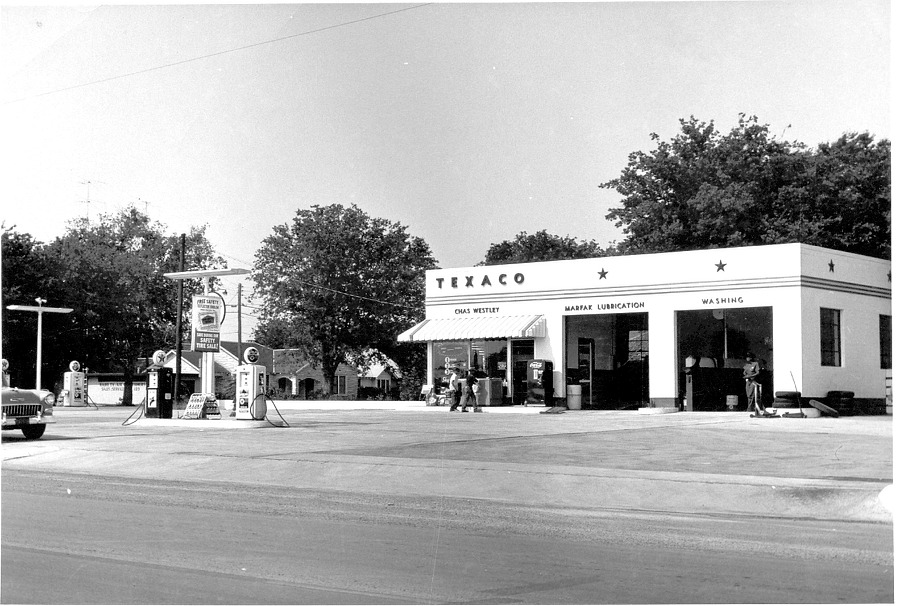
(205, 319)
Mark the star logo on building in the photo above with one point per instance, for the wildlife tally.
(720, 266)
(831, 265)
(602, 273)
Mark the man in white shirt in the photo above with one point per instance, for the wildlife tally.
(454, 390)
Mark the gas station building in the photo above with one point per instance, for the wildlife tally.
(622, 327)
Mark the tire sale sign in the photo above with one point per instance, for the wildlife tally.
(207, 314)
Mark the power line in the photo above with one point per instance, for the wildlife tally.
(216, 54)
(346, 294)
(242, 261)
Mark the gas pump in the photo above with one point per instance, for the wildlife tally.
(690, 363)
(250, 387)
(74, 387)
(158, 401)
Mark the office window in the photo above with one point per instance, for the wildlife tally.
(884, 333)
(638, 345)
(447, 356)
(830, 342)
(339, 385)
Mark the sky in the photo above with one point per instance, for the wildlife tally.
(468, 123)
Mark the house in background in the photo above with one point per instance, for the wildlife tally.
(288, 373)
(295, 377)
(379, 378)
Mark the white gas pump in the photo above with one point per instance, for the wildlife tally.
(74, 386)
(250, 387)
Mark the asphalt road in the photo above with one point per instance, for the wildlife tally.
(421, 506)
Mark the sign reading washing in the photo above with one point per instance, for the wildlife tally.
(722, 300)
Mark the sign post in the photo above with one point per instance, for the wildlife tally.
(40, 314)
(204, 319)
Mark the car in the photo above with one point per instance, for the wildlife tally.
(27, 409)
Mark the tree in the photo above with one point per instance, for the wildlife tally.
(542, 246)
(340, 286)
(850, 185)
(704, 189)
(110, 271)
(26, 272)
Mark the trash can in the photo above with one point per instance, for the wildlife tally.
(573, 397)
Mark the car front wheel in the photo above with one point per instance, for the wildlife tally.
(33, 432)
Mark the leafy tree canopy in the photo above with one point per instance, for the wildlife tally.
(704, 189)
(542, 246)
(338, 284)
(25, 270)
(110, 271)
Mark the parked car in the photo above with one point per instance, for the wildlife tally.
(27, 409)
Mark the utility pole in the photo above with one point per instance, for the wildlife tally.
(240, 351)
(240, 342)
(178, 322)
(40, 310)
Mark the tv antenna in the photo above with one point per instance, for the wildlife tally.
(87, 201)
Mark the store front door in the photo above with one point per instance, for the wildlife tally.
(522, 354)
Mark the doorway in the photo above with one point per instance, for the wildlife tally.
(522, 353)
(718, 341)
(608, 355)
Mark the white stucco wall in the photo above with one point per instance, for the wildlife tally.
(787, 337)
(663, 364)
(853, 281)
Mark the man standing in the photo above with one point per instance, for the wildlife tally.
(751, 371)
(471, 382)
(453, 389)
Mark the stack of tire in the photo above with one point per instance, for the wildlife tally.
(789, 403)
(842, 401)
(787, 399)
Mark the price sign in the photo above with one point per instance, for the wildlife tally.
(202, 406)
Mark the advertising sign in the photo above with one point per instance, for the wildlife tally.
(450, 355)
(202, 406)
(112, 392)
(206, 316)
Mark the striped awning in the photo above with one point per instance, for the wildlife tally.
(483, 327)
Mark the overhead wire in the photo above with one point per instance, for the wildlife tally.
(215, 54)
(347, 294)
(319, 286)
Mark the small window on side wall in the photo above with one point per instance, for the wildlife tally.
(884, 333)
(830, 341)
